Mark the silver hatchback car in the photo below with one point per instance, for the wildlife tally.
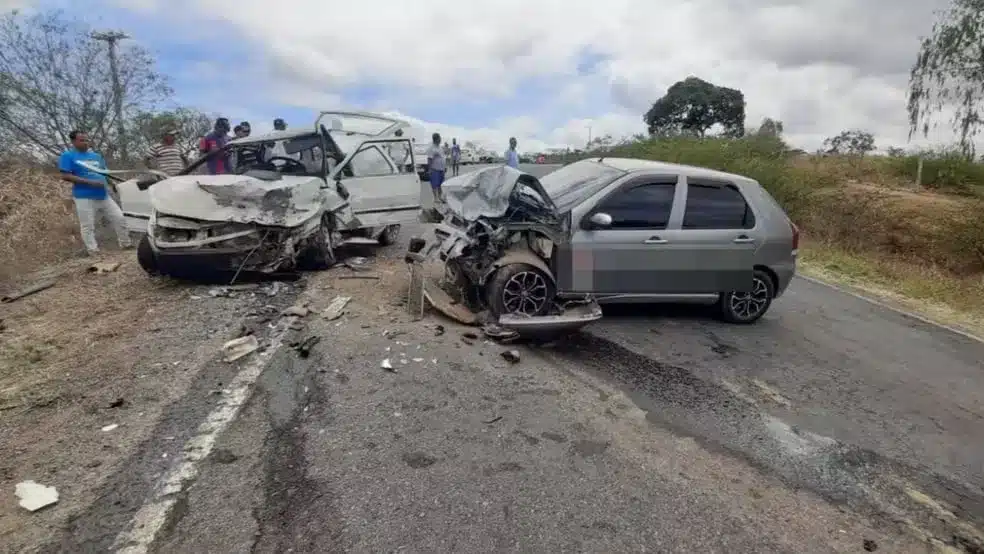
(616, 230)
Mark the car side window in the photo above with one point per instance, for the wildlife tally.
(370, 162)
(645, 206)
(716, 206)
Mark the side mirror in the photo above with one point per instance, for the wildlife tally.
(600, 220)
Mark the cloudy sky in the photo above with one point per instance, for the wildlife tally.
(546, 71)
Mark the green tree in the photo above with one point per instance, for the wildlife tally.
(56, 78)
(853, 142)
(770, 128)
(693, 106)
(949, 73)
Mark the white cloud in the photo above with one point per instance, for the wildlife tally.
(816, 64)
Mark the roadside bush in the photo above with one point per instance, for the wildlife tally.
(944, 169)
(855, 205)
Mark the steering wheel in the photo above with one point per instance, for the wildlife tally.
(289, 163)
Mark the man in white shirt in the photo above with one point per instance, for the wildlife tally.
(436, 165)
(512, 157)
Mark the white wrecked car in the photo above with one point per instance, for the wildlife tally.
(291, 198)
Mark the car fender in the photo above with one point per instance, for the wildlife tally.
(519, 255)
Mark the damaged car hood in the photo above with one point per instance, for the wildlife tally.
(287, 201)
(489, 192)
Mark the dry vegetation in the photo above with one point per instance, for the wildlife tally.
(37, 221)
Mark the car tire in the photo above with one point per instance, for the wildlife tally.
(320, 252)
(745, 308)
(504, 291)
(389, 235)
(147, 258)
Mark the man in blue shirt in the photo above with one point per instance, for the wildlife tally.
(89, 192)
(512, 157)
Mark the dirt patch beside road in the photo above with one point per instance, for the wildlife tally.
(94, 351)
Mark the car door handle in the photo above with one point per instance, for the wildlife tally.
(655, 240)
(743, 239)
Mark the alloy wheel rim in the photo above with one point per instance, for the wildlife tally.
(525, 293)
(747, 305)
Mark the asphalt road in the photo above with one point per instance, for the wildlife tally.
(830, 422)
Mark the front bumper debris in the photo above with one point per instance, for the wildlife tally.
(425, 290)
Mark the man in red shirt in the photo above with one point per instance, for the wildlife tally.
(216, 140)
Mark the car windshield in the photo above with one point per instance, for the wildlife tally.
(299, 155)
(575, 183)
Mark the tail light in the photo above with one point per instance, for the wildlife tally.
(796, 236)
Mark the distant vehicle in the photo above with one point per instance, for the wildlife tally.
(650, 231)
(420, 160)
(468, 157)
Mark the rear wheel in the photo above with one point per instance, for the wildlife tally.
(146, 257)
(520, 289)
(320, 251)
(748, 307)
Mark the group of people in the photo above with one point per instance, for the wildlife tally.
(437, 161)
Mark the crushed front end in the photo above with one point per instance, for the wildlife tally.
(494, 246)
(193, 249)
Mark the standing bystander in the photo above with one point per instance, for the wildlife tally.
(89, 192)
(436, 165)
(512, 156)
(214, 141)
(167, 155)
(455, 157)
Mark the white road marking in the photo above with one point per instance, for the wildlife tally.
(880, 304)
(148, 521)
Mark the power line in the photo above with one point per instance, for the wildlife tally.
(112, 38)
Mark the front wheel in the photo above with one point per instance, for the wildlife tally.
(748, 307)
(520, 289)
(147, 258)
(319, 253)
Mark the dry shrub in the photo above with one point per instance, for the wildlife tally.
(37, 220)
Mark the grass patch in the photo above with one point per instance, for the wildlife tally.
(926, 290)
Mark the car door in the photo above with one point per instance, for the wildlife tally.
(630, 255)
(379, 193)
(718, 235)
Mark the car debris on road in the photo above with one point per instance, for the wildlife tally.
(34, 496)
(240, 347)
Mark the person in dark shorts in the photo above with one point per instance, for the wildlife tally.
(436, 166)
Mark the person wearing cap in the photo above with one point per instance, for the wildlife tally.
(167, 156)
(279, 125)
(214, 141)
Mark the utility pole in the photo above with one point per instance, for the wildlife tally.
(111, 38)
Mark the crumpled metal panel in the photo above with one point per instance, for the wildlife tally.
(486, 193)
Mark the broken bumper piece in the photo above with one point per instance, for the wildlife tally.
(571, 319)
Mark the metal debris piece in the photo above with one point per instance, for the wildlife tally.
(336, 308)
(298, 310)
(511, 356)
(110, 427)
(359, 276)
(438, 330)
(34, 496)
(387, 365)
(443, 303)
(238, 348)
(498, 333)
(357, 263)
(103, 267)
(493, 420)
(27, 291)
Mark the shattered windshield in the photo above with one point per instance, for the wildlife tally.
(301, 155)
(575, 183)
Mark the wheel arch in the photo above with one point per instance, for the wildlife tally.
(519, 255)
